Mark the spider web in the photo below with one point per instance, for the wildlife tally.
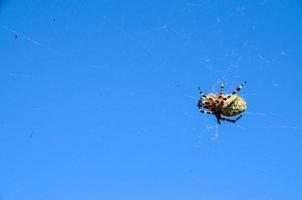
(205, 65)
(227, 65)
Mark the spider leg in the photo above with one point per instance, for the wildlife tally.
(231, 120)
(218, 118)
(205, 112)
(236, 90)
(239, 88)
(221, 88)
(201, 93)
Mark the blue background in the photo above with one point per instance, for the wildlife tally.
(98, 99)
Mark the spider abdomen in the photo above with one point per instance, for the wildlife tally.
(234, 105)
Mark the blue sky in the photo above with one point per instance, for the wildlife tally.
(98, 100)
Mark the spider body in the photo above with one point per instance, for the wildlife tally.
(233, 106)
(223, 106)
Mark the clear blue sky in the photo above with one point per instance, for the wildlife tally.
(98, 100)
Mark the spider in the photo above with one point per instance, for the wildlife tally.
(221, 105)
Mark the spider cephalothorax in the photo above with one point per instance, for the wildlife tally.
(222, 105)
